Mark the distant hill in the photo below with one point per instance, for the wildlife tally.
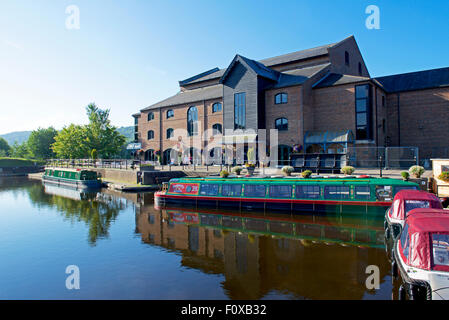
(22, 136)
(17, 136)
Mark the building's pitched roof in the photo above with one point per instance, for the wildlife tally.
(298, 76)
(190, 96)
(298, 55)
(335, 79)
(427, 79)
(205, 74)
(255, 66)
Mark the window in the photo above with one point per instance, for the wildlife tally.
(231, 190)
(440, 247)
(149, 155)
(136, 121)
(255, 190)
(405, 242)
(150, 135)
(170, 114)
(209, 190)
(216, 107)
(150, 116)
(281, 124)
(413, 204)
(360, 69)
(307, 192)
(281, 98)
(362, 192)
(347, 58)
(240, 111)
(170, 133)
(217, 129)
(363, 112)
(192, 121)
(336, 192)
(281, 191)
(397, 189)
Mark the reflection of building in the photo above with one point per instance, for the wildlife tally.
(255, 264)
(322, 98)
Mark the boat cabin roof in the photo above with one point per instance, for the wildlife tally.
(405, 200)
(428, 220)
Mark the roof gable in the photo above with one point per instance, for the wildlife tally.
(256, 67)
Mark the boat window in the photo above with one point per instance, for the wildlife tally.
(362, 192)
(209, 190)
(307, 191)
(336, 192)
(231, 190)
(440, 246)
(413, 204)
(255, 190)
(405, 242)
(397, 189)
(281, 191)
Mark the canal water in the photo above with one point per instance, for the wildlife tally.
(125, 248)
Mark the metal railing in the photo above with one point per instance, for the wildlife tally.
(382, 157)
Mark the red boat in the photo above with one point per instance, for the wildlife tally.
(403, 202)
(421, 255)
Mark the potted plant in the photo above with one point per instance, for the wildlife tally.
(347, 170)
(405, 175)
(444, 176)
(250, 167)
(306, 174)
(287, 170)
(224, 173)
(237, 170)
(416, 171)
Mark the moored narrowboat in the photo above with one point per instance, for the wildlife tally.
(421, 255)
(77, 178)
(325, 195)
(405, 201)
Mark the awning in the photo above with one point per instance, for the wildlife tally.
(328, 137)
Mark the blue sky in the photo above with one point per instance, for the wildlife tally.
(130, 54)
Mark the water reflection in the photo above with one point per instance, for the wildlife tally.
(258, 254)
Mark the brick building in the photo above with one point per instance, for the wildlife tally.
(322, 99)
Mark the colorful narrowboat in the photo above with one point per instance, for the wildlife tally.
(326, 195)
(421, 255)
(403, 202)
(77, 178)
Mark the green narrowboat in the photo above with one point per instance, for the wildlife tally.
(77, 178)
(344, 195)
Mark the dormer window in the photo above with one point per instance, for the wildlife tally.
(281, 98)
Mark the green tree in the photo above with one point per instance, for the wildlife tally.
(40, 141)
(71, 143)
(4, 148)
(20, 151)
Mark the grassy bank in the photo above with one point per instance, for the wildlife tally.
(19, 162)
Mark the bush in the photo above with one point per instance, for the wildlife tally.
(306, 173)
(287, 170)
(237, 170)
(444, 176)
(224, 173)
(348, 170)
(416, 171)
(405, 175)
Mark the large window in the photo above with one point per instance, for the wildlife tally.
(192, 121)
(209, 189)
(217, 129)
(363, 112)
(231, 190)
(255, 190)
(239, 111)
(307, 192)
(170, 133)
(281, 191)
(414, 204)
(170, 114)
(150, 135)
(281, 124)
(216, 107)
(281, 98)
(150, 116)
(336, 192)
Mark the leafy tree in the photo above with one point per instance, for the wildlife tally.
(20, 151)
(40, 141)
(4, 148)
(70, 142)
